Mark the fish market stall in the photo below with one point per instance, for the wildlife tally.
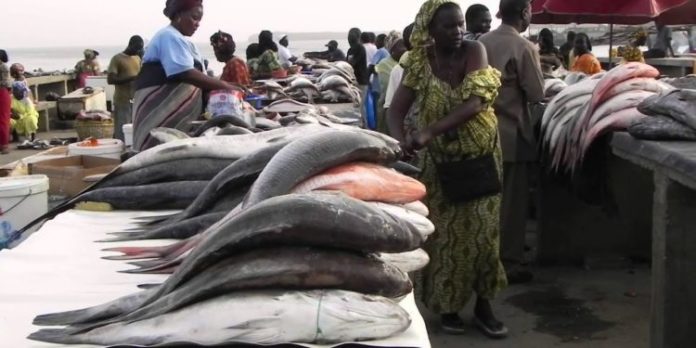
(673, 166)
(60, 268)
(301, 232)
(592, 203)
(620, 179)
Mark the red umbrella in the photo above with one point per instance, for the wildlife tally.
(611, 11)
(685, 14)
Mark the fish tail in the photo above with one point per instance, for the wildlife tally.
(68, 318)
(59, 336)
(163, 268)
(135, 253)
(125, 237)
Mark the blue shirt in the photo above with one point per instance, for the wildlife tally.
(381, 54)
(173, 50)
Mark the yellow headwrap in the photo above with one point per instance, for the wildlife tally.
(421, 35)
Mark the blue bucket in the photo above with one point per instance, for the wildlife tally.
(369, 106)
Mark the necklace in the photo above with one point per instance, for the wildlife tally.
(448, 69)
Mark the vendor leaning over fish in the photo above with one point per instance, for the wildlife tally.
(169, 89)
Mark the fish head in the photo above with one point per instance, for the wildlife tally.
(348, 315)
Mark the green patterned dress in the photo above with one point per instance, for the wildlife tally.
(464, 250)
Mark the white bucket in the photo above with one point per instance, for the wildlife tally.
(107, 148)
(128, 134)
(23, 199)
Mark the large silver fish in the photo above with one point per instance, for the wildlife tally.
(264, 317)
(313, 154)
(290, 268)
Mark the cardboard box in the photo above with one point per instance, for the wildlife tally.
(66, 175)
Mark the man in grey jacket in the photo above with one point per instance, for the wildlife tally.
(522, 83)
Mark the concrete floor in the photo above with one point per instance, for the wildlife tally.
(607, 306)
(566, 307)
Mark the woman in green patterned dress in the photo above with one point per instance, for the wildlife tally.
(454, 88)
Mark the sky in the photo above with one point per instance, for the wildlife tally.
(73, 23)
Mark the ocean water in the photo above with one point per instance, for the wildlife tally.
(64, 58)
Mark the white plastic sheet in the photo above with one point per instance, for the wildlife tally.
(59, 268)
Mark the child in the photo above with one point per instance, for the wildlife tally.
(25, 118)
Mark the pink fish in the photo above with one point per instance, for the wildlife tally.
(367, 182)
(617, 121)
(619, 102)
(615, 76)
(648, 84)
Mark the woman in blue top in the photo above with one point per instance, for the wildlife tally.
(169, 89)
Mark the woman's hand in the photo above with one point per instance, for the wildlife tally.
(420, 139)
(415, 141)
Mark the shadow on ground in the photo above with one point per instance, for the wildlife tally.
(565, 307)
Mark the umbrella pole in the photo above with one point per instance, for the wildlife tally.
(611, 45)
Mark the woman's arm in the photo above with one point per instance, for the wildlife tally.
(462, 113)
(400, 105)
(204, 81)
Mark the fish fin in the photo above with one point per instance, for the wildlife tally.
(166, 267)
(59, 336)
(148, 286)
(131, 253)
(178, 148)
(153, 217)
(147, 263)
(166, 135)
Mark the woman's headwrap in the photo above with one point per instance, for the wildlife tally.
(421, 33)
(90, 54)
(223, 42)
(391, 39)
(174, 7)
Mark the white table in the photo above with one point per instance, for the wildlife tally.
(60, 268)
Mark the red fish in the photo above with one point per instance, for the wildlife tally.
(367, 182)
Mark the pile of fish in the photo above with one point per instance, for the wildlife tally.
(583, 111)
(674, 117)
(334, 84)
(299, 234)
(686, 82)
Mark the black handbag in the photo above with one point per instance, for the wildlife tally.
(468, 179)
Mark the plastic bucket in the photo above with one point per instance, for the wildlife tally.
(128, 134)
(107, 148)
(22, 199)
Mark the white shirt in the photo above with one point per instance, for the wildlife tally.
(394, 81)
(285, 55)
(370, 51)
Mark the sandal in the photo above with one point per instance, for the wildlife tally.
(495, 334)
(452, 324)
(25, 145)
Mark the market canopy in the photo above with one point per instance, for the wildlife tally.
(614, 11)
